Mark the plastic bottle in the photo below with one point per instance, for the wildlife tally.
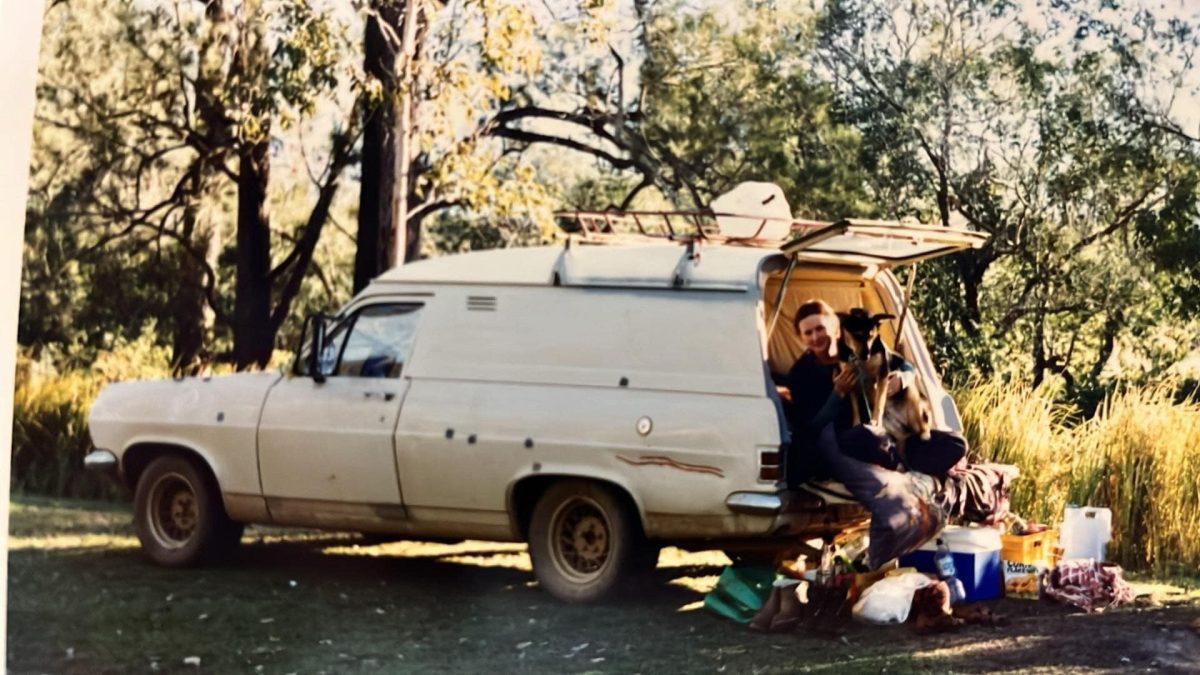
(825, 571)
(943, 562)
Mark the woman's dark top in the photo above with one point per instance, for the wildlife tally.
(814, 405)
(814, 402)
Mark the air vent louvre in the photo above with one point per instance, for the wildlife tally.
(481, 303)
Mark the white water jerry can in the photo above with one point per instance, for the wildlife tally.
(1086, 530)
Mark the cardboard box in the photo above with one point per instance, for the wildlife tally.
(1023, 580)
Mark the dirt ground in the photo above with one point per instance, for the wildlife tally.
(83, 600)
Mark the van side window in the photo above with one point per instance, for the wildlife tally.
(379, 342)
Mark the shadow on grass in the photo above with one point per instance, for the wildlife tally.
(328, 603)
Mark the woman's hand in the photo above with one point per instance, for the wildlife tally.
(784, 392)
(844, 381)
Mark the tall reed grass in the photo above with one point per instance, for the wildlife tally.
(1139, 456)
(50, 407)
(50, 435)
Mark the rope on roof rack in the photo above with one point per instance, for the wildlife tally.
(702, 224)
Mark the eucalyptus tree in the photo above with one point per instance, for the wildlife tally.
(694, 100)
(169, 111)
(436, 72)
(1019, 123)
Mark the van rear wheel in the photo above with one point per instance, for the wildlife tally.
(584, 541)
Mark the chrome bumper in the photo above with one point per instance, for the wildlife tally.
(754, 503)
(800, 512)
(101, 461)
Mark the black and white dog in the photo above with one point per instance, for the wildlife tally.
(903, 414)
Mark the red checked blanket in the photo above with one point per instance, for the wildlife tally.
(1087, 584)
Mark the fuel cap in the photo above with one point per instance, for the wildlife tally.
(644, 425)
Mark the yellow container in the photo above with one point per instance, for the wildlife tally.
(1028, 549)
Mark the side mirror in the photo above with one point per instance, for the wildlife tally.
(316, 345)
(308, 357)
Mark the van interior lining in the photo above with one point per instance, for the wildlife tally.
(841, 288)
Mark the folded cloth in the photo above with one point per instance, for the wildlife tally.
(1087, 584)
(978, 493)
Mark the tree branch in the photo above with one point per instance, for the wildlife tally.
(302, 253)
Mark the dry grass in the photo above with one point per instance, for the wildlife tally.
(1138, 456)
(50, 435)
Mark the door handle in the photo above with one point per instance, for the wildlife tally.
(385, 395)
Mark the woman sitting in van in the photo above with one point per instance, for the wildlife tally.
(907, 509)
(819, 391)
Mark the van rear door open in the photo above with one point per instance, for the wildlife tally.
(883, 243)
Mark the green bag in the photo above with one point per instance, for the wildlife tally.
(740, 592)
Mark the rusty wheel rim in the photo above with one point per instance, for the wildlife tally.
(581, 539)
(172, 511)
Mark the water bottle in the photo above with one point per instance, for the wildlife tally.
(943, 561)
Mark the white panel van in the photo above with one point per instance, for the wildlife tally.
(597, 399)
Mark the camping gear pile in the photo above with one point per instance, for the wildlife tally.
(939, 586)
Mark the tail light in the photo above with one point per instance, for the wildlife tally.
(770, 465)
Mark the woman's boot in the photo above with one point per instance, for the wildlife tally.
(762, 620)
(791, 610)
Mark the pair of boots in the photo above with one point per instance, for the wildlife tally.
(783, 610)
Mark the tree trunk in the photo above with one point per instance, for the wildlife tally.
(406, 244)
(970, 275)
(253, 337)
(377, 199)
(412, 237)
(188, 309)
(1108, 339)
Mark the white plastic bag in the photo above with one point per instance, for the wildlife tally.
(889, 600)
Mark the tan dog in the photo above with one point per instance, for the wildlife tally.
(904, 414)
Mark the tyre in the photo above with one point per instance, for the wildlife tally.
(585, 542)
(178, 514)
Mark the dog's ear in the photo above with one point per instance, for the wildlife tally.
(880, 317)
(842, 316)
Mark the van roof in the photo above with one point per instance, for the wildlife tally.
(658, 265)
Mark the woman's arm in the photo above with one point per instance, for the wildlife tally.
(817, 401)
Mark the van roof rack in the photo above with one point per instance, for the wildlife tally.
(700, 224)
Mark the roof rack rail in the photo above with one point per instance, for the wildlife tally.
(700, 224)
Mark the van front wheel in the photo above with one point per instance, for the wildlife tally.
(178, 514)
(583, 541)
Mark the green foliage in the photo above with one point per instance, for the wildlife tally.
(142, 111)
(1042, 129)
(726, 102)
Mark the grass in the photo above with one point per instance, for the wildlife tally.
(1138, 456)
(82, 599)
